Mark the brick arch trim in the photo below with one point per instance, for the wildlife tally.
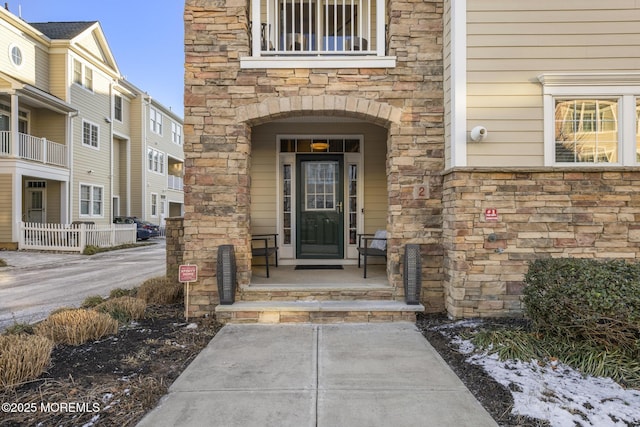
(271, 109)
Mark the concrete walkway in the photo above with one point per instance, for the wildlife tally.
(333, 375)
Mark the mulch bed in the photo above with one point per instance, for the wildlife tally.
(117, 380)
(113, 381)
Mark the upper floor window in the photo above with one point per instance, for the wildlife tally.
(155, 117)
(327, 33)
(176, 133)
(77, 72)
(155, 160)
(117, 107)
(90, 134)
(91, 203)
(82, 75)
(591, 119)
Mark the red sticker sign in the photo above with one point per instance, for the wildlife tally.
(491, 214)
(188, 273)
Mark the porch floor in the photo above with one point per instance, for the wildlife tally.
(349, 277)
(317, 296)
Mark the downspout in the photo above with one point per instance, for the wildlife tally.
(14, 152)
(68, 215)
(109, 120)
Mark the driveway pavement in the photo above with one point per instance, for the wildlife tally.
(37, 282)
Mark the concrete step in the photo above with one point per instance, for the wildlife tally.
(317, 292)
(317, 311)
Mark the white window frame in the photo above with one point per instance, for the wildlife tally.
(97, 135)
(77, 72)
(82, 75)
(118, 110)
(289, 158)
(176, 133)
(563, 86)
(16, 56)
(155, 120)
(155, 161)
(154, 205)
(91, 201)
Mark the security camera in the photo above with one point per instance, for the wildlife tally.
(478, 133)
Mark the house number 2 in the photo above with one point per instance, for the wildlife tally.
(421, 191)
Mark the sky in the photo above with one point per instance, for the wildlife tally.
(146, 38)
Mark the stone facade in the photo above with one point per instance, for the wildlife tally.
(541, 213)
(223, 102)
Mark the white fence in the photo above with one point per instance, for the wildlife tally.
(74, 237)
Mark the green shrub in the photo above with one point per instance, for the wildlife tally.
(160, 290)
(90, 250)
(123, 309)
(121, 292)
(92, 301)
(19, 328)
(3, 263)
(586, 300)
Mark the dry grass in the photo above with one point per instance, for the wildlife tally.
(75, 327)
(123, 309)
(22, 358)
(160, 290)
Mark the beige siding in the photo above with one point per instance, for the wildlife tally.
(264, 174)
(47, 124)
(59, 75)
(138, 158)
(90, 43)
(510, 43)
(93, 107)
(11, 37)
(6, 197)
(53, 202)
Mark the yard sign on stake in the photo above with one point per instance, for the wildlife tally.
(186, 274)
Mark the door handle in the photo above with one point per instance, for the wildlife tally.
(339, 207)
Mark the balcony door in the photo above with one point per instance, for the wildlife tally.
(35, 202)
(320, 213)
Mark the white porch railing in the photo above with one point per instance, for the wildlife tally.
(74, 237)
(318, 27)
(35, 149)
(175, 182)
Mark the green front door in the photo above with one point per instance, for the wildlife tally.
(320, 218)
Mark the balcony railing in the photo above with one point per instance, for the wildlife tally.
(35, 149)
(318, 27)
(175, 182)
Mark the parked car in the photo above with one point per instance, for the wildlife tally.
(153, 228)
(142, 233)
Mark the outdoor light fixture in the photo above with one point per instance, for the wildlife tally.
(319, 145)
(412, 274)
(226, 274)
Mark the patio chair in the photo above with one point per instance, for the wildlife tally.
(267, 246)
(374, 245)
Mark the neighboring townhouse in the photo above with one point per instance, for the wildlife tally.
(489, 133)
(157, 161)
(74, 132)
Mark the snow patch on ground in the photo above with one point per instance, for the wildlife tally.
(558, 393)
